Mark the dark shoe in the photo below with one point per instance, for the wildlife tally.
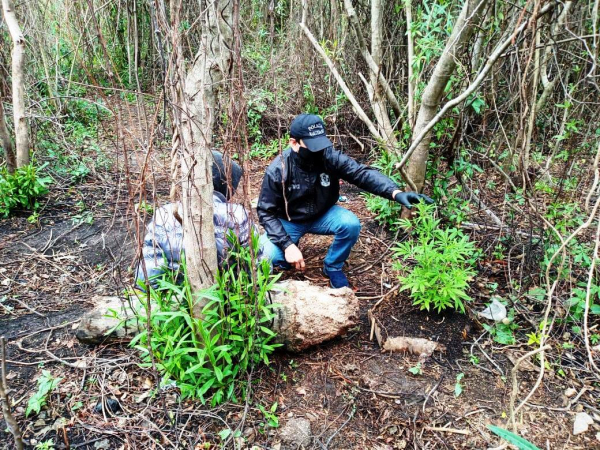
(337, 278)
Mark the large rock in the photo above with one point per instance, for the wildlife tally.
(296, 434)
(309, 315)
(312, 314)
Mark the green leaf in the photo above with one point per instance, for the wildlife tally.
(224, 433)
(512, 438)
(458, 388)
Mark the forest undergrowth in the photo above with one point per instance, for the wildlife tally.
(488, 107)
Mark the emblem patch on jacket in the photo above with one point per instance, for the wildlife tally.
(324, 180)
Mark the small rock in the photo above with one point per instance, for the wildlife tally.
(301, 391)
(582, 422)
(570, 392)
(578, 408)
(102, 445)
(297, 432)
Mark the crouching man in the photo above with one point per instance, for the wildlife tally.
(299, 194)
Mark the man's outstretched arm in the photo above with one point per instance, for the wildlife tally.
(372, 180)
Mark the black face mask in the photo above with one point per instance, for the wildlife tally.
(310, 158)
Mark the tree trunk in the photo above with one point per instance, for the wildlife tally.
(378, 101)
(463, 28)
(200, 98)
(18, 83)
(11, 163)
(308, 315)
(411, 58)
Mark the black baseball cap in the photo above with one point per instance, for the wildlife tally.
(311, 129)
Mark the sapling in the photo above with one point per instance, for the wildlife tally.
(445, 260)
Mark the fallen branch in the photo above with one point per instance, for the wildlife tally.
(449, 430)
(515, 386)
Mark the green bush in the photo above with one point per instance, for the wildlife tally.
(21, 189)
(444, 259)
(262, 151)
(210, 357)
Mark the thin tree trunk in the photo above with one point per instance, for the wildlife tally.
(411, 58)
(356, 27)
(11, 163)
(434, 91)
(18, 83)
(202, 82)
(378, 100)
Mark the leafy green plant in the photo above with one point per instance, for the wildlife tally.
(416, 370)
(577, 301)
(46, 445)
(262, 151)
(512, 438)
(458, 387)
(445, 260)
(46, 384)
(209, 357)
(22, 188)
(503, 332)
(269, 415)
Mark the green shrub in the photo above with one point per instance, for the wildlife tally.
(210, 357)
(444, 262)
(22, 188)
(262, 151)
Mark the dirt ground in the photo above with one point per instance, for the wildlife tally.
(353, 395)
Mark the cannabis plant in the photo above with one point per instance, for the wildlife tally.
(444, 262)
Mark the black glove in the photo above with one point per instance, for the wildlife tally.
(408, 199)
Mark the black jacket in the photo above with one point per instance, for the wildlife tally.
(310, 190)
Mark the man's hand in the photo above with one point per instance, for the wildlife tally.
(293, 255)
(408, 199)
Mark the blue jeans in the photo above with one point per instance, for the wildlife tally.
(338, 221)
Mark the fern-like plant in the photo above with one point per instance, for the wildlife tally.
(444, 262)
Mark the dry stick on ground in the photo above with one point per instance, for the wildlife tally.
(515, 386)
(11, 422)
